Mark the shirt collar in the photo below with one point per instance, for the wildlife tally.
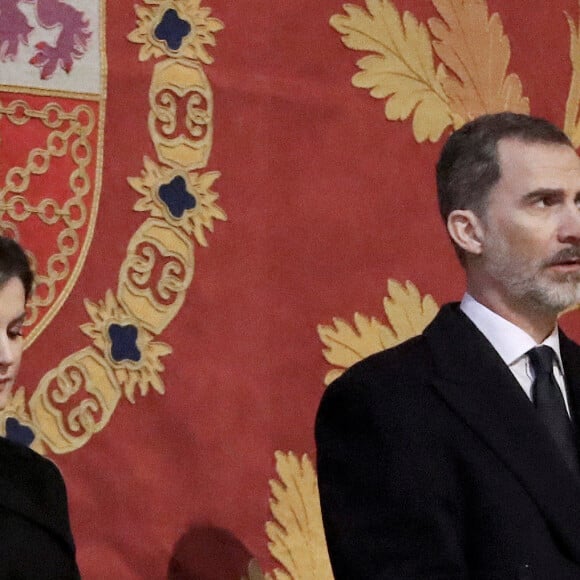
(509, 340)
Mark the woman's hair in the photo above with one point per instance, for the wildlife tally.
(14, 263)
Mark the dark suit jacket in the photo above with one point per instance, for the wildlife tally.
(432, 464)
(35, 537)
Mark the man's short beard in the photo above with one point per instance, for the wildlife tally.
(542, 296)
(535, 285)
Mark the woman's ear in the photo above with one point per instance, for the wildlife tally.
(466, 230)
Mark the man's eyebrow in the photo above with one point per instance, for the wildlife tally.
(545, 191)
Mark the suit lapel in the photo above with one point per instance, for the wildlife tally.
(478, 386)
(570, 353)
(571, 360)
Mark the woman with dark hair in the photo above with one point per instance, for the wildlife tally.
(35, 536)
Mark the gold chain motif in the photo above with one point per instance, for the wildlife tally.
(69, 135)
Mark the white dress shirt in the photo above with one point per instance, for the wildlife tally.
(512, 343)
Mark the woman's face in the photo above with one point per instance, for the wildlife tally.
(12, 313)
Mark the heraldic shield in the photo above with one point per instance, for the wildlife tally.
(52, 101)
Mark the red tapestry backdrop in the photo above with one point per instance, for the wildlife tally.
(227, 204)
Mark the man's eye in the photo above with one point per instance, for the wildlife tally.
(546, 201)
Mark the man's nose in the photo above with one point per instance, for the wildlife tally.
(569, 231)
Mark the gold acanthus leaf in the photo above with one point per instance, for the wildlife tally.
(401, 70)
(474, 48)
(348, 345)
(408, 314)
(572, 120)
(297, 535)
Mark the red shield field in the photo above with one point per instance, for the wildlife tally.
(51, 112)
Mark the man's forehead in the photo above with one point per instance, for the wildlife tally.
(520, 147)
(537, 157)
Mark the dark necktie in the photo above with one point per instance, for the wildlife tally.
(549, 403)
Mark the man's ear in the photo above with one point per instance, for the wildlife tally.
(466, 230)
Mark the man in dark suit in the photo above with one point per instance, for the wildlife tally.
(455, 454)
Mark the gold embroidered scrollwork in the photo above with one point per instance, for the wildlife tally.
(74, 401)
(184, 142)
(156, 274)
